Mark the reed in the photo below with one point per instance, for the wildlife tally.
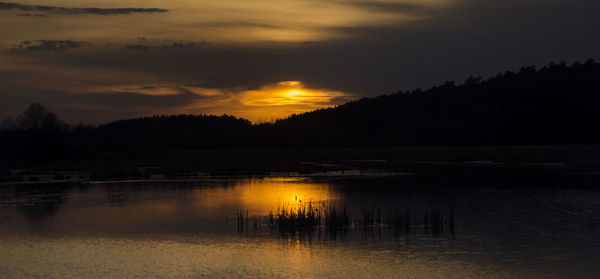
(296, 219)
(306, 218)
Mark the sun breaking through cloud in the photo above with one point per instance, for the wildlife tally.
(285, 98)
(269, 102)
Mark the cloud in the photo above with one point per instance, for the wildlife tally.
(138, 47)
(32, 15)
(388, 7)
(132, 99)
(49, 45)
(237, 25)
(63, 45)
(74, 11)
(164, 45)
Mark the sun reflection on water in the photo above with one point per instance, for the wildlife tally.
(262, 196)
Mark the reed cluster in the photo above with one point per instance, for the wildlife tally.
(331, 218)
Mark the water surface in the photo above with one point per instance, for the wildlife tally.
(191, 229)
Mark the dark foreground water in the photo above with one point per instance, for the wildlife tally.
(221, 228)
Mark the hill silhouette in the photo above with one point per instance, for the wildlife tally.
(557, 104)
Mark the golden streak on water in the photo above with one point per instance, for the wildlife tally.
(263, 196)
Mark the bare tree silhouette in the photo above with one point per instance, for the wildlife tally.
(38, 117)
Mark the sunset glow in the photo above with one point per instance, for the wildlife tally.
(285, 98)
(290, 93)
(99, 61)
(264, 104)
(267, 103)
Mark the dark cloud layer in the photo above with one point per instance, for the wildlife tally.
(50, 45)
(167, 45)
(74, 11)
(388, 7)
(32, 15)
(63, 45)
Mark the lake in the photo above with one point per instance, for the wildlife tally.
(297, 227)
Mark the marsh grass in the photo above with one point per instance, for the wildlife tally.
(308, 219)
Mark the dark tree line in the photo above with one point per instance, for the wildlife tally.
(557, 104)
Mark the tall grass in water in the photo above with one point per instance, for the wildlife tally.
(296, 219)
(308, 218)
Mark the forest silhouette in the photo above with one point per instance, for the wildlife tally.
(557, 104)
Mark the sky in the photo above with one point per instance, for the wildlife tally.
(94, 61)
